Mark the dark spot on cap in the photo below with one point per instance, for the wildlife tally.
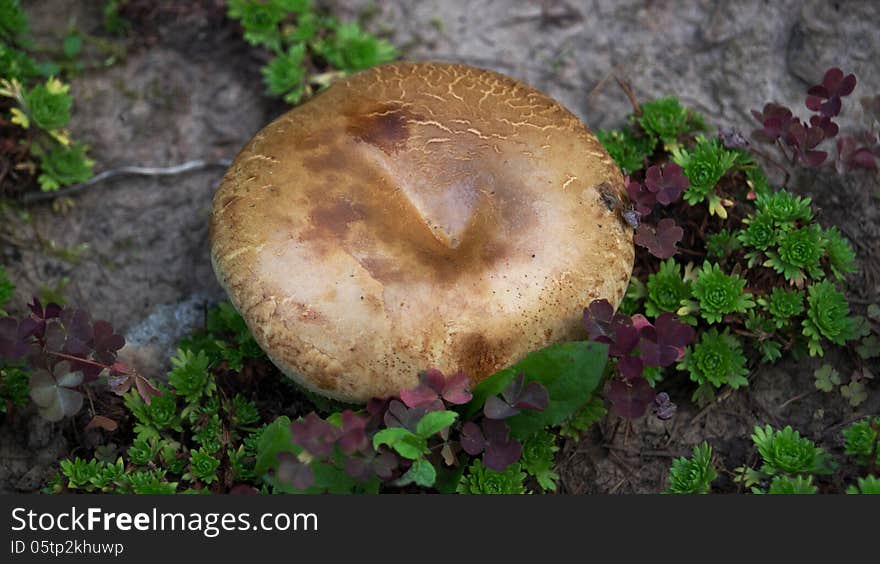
(335, 216)
(477, 357)
(384, 127)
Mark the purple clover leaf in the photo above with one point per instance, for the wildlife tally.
(825, 97)
(643, 200)
(398, 415)
(829, 128)
(106, 342)
(381, 464)
(661, 241)
(775, 122)
(664, 342)
(493, 441)
(517, 396)
(858, 151)
(630, 367)
(314, 435)
(434, 387)
(630, 399)
(353, 437)
(55, 393)
(294, 472)
(667, 183)
(804, 139)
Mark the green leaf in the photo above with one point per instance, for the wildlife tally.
(826, 378)
(421, 473)
(434, 422)
(854, 392)
(569, 371)
(72, 45)
(274, 440)
(869, 347)
(404, 442)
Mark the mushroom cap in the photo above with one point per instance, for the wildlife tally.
(418, 215)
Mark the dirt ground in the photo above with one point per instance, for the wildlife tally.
(191, 89)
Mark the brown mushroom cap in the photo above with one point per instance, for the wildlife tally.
(418, 215)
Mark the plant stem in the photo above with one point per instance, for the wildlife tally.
(78, 359)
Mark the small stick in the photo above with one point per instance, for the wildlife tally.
(627, 89)
(794, 399)
(33, 197)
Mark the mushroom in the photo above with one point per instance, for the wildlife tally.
(418, 215)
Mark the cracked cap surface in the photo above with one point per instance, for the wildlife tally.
(418, 215)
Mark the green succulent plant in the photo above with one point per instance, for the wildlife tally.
(209, 434)
(798, 253)
(764, 329)
(827, 317)
(716, 360)
(13, 20)
(14, 387)
(792, 485)
(783, 305)
(722, 244)
(110, 475)
(64, 166)
(149, 482)
(143, 451)
(481, 480)
(159, 415)
(755, 178)
(841, 257)
(628, 150)
(759, 235)
(16, 64)
(79, 472)
(260, 21)
(285, 74)
(786, 452)
(203, 466)
(301, 40)
(861, 441)
(244, 412)
(704, 165)
(720, 294)
(584, 418)
(666, 289)
(783, 207)
(48, 105)
(189, 376)
(352, 49)
(693, 475)
(866, 485)
(667, 120)
(539, 458)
